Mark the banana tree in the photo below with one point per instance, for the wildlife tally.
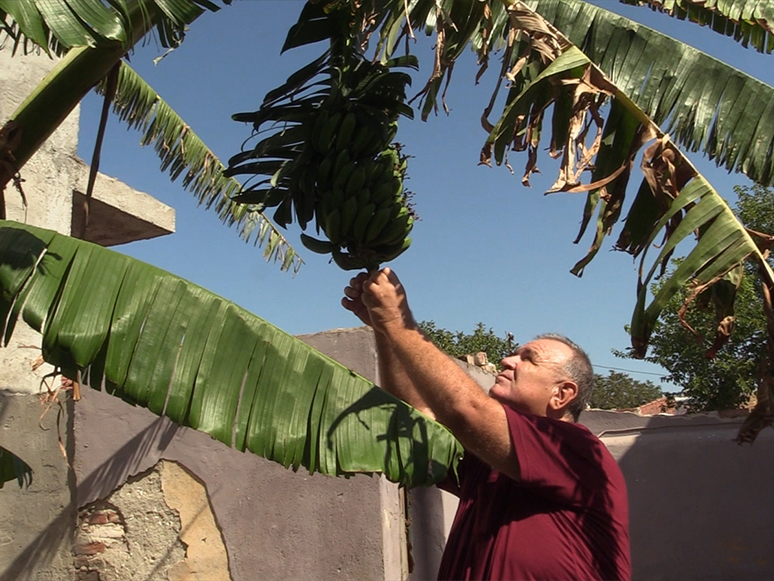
(232, 375)
(613, 90)
(92, 38)
(579, 63)
(569, 58)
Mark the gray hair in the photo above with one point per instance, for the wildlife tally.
(579, 370)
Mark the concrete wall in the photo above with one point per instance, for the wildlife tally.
(276, 524)
(700, 505)
(37, 532)
(38, 521)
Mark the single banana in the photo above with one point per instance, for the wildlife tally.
(356, 181)
(346, 130)
(315, 245)
(336, 198)
(333, 226)
(392, 131)
(392, 252)
(397, 187)
(361, 222)
(348, 214)
(397, 229)
(342, 160)
(364, 197)
(369, 167)
(382, 193)
(340, 179)
(324, 170)
(283, 215)
(361, 140)
(377, 223)
(329, 132)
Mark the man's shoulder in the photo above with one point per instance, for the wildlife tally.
(550, 427)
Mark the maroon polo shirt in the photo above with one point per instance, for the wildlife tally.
(566, 518)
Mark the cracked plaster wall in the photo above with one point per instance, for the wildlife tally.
(276, 524)
(158, 526)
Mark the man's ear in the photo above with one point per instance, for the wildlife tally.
(563, 394)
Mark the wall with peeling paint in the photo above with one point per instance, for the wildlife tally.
(38, 528)
(275, 524)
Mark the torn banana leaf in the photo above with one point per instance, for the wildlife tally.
(183, 154)
(749, 22)
(163, 343)
(705, 104)
(722, 245)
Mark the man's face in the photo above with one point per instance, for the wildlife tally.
(531, 376)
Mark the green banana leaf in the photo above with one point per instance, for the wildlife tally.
(14, 468)
(182, 152)
(163, 343)
(750, 22)
(64, 24)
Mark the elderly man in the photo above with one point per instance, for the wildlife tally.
(540, 496)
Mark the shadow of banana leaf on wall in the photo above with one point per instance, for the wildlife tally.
(161, 342)
(14, 468)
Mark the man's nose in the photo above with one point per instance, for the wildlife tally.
(510, 362)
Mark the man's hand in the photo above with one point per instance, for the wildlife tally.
(352, 300)
(387, 304)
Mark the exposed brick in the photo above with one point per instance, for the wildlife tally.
(94, 548)
(98, 518)
(101, 517)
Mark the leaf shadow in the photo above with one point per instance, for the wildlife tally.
(407, 437)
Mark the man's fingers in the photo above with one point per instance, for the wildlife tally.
(352, 292)
(358, 280)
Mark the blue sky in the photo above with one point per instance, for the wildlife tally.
(486, 249)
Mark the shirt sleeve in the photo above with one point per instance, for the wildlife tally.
(561, 460)
(453, 482)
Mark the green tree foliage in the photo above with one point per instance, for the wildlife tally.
(458, 344)
(728, 380)
(755, 208)
(620, 391)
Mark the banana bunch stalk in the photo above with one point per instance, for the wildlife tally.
(330, 156)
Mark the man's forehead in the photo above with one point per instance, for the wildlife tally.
(547, 348)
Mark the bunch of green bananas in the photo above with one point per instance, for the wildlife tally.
(361, 205)
(331, 157)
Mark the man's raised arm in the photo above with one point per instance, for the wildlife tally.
(457, 401)
(392, 374)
